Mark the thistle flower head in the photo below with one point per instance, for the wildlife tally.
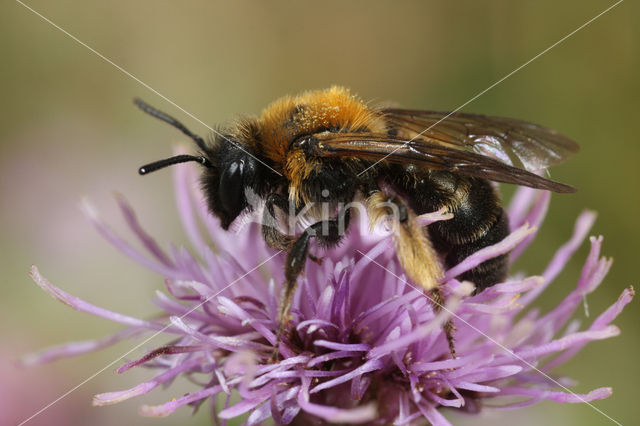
(365, 344)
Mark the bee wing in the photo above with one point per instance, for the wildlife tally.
(514, 142)
(429, 154)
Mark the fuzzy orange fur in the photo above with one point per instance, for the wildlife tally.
(311, 112)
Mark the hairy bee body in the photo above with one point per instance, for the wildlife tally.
(330, 147)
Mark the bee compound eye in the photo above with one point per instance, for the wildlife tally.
(230, 188)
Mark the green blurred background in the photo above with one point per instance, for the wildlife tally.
(68, 129)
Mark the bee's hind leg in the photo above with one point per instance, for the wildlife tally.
(415, 252)
(437, 301)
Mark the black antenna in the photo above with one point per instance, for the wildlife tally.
(168, 119)
(161, 164)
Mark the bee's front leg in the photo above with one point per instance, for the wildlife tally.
(327, 233)
(270, 230)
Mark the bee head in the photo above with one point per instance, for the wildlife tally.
(230, 173)
(230, 181)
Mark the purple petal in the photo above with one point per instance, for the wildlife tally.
(601, 322)
(78, 348)
(616, 309)
(564, 253)
(451, 363)
(185, 207)
(488, 373)
(381, 309)
(173, 307)
(146, 239)
(458, 402)
(520, 286)
(330, 356)
(80, 305)
(367, 367)
(241, 407)
(534, 218)
(165, 350)
(498, 306)
(359, 386)
(230, 343)
(429, 218)
(353, 347)
(520, 204)
(460, 384)
(167, 408)
(360, 414)
(283, 401)
(116, 397)
(568, 341)
(417, 334)
(91, 214)
(592, 275)
(316, 323)
(371, 255)
(563, 397)
(433, 415)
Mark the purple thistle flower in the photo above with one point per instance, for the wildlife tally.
(366, 346)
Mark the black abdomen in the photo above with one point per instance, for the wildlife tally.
(479, 220)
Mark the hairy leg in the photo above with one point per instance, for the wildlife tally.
(415, 252)
(328, 233)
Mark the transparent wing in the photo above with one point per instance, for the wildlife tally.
(430, 155)
(514, 142)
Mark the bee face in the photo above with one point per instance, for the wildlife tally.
(237, 179)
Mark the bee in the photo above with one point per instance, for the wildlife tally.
(328, 146)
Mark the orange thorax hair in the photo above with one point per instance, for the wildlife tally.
(333, 109)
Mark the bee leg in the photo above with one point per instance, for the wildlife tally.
(478, 221)
(327, 233)
(430, 259)
(270, 230)
(437, 301)
(415, 253)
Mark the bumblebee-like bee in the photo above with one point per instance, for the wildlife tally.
(328, 146)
